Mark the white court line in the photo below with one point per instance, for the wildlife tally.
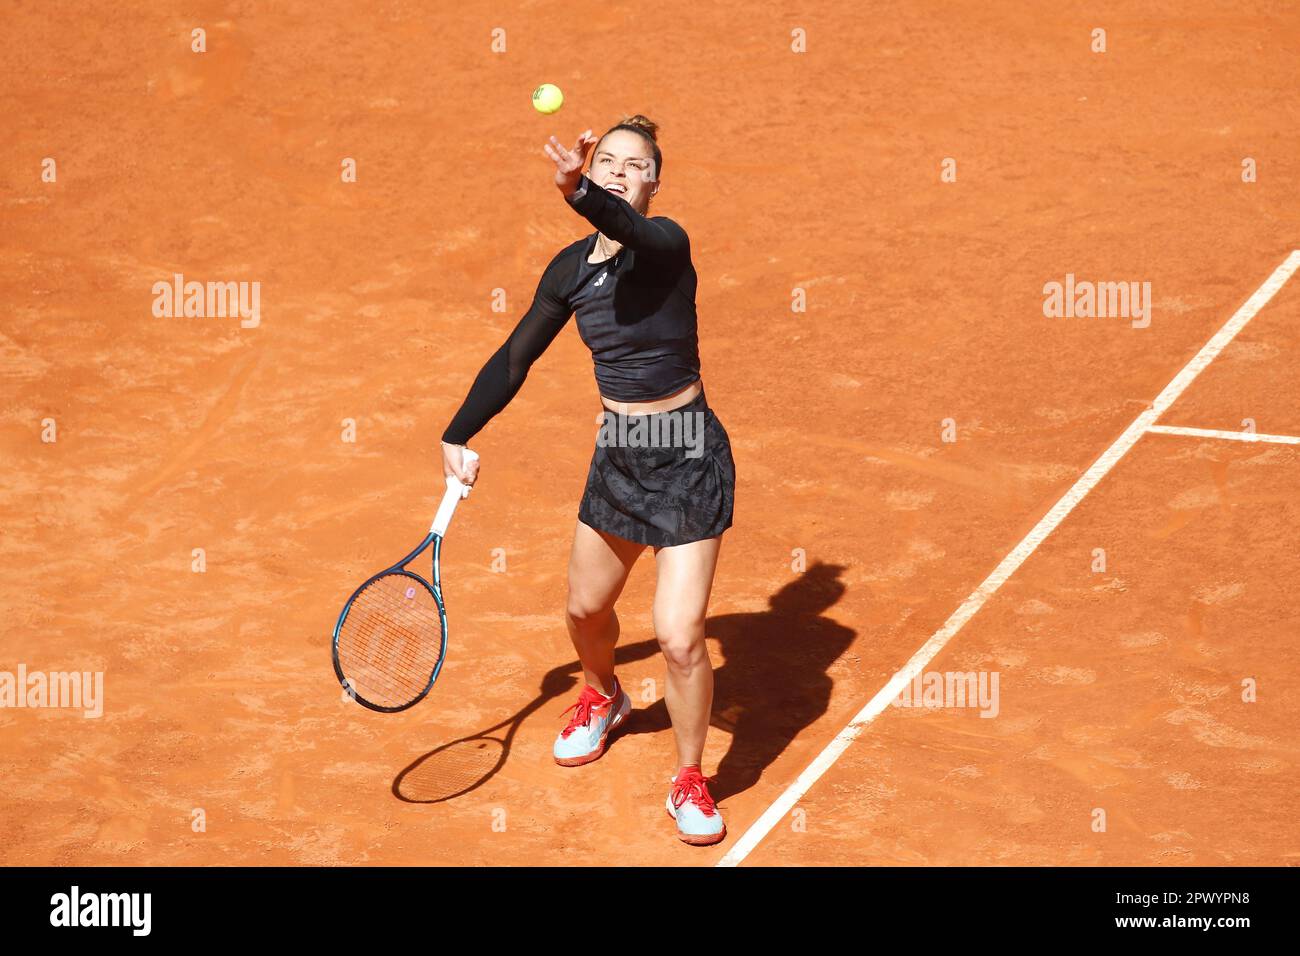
(787, 800)
(1232, 436)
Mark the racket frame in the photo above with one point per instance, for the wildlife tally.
(435, 589)
(453, 495)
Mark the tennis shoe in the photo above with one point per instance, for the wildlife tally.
(698, 821)
(595, 717)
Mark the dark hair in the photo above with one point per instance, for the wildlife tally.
(647, 128)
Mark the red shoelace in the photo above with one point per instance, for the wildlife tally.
(692, 785)
(589, 698)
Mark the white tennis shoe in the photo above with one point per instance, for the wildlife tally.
(595, 718)
(698, 821)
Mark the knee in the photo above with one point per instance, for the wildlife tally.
(585, 612)
(683, 646)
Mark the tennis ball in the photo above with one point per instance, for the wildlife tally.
(547, 98)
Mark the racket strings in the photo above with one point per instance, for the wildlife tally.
(380, 640)
(391, 640)
(386, 678)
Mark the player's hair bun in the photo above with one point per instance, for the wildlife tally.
(643, 123)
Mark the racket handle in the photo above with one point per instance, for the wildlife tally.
(456, 490)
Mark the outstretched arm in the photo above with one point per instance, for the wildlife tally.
(504, 373)
(615, 217)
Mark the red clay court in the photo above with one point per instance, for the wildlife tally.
(1158, 689)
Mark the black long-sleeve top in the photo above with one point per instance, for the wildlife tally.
(636, 312)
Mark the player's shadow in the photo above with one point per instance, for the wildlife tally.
(775, 681)
(772, 684)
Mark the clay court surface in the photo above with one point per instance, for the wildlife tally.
(1120, 689)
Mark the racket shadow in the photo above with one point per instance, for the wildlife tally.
(452, 770)
(462, 766)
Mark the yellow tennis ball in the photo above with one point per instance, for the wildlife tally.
(547, 98)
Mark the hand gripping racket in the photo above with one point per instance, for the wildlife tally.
(391, 639)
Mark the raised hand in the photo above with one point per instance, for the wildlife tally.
(569, 162)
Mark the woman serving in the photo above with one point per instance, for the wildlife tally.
(632, 285)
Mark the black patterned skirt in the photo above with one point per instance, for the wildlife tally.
(663, 479)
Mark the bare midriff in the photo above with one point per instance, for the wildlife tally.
(666, 404)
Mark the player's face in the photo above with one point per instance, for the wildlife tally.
(623, 163)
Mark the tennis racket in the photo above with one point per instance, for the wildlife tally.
(391, 638)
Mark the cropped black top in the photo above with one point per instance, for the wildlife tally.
(636, 312)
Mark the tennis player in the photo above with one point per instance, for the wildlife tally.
(662, 474)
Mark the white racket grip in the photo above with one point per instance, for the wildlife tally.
(456, 490)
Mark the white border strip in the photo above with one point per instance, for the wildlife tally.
(1231, 436)
(792, 794)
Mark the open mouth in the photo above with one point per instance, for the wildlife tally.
(618, 188)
